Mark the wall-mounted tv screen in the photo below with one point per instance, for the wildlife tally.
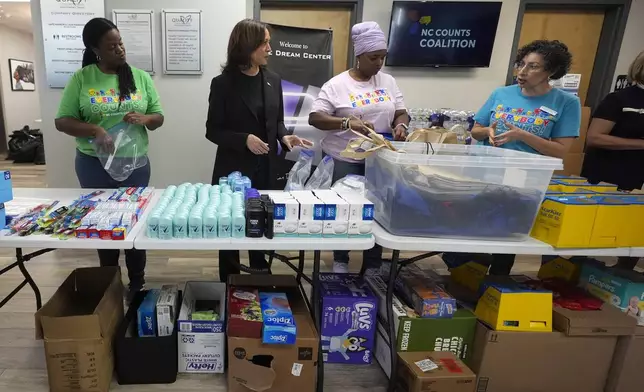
(442, 33)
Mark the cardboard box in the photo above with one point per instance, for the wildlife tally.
(148, 360)
(433, 372)
(540, 361)
(274, 368)
(167, 309)
(608, 321)
(626, 369)
(557, 267)
(379, 288)
(6, 187)
(349, 319)
(78, 325)
(202, 342)
(620, 288)
(382, 351)
(244, 312)
(424, 293)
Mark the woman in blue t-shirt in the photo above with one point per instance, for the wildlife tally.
(530, 116)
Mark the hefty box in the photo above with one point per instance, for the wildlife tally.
(349, 319)
(78, 325)
(424, 294)
(507, 304)
(507, 361)
(244, 312)
(279, 324)
(202, 342)
(254, 366)
(620, 288)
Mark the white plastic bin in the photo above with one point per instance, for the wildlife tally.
(457, 191)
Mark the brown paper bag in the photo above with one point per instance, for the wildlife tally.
(433, 135)
(365, 145)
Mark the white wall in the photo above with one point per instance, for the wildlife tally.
(20, 108)
(179, 151)
(465, 89)
(633, 42)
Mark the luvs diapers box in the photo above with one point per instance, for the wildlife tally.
(349, 319)
(279, 324)
(620, 288)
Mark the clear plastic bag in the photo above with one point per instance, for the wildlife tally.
(322, 176)
(118, 152)
(300, 171)
(350, 183)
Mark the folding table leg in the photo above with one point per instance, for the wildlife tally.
(317, 315)
(393, 273)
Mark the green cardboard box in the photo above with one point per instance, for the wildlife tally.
(423, 334)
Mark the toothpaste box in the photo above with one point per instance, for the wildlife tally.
(312, 211)
(167, 308)
(349, 319)
(201, 343)
(361, 214)
(244, 312)
(336, 215)
(279, 324)
(146, 315)
(286, 216)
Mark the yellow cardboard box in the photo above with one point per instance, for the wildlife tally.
(470, 274)
(513, 306)
(566, 221)
(633, 224)
(610, 230)
(569, 186)
(560, 268)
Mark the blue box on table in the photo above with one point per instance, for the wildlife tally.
(6, 190)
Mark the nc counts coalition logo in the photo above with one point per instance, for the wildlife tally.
(435, 36)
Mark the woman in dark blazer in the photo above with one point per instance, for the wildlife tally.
(246, 121)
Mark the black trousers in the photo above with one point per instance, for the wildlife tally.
(91, 175)
(501, 264)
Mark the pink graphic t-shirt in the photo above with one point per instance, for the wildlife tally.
(376, 101)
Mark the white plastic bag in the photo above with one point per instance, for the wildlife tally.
(350, 183)
(300, 171)
(322, 176)
(118, 152)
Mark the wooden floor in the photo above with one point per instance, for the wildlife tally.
(22, 366)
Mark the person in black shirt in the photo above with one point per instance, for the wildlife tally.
(615, 141)
(246, 122)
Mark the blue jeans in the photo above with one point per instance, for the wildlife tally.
(91, 175)
(371, 258)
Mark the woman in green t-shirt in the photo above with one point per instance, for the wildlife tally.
(108, 93)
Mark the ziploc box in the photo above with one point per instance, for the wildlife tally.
(621, 288)
(286, 215)
(6, 188)
(279, 325)
(509, 305)
(349, 319)
(166, 308)
(424, 294)
(146, 318)
(566, 222)
(202, 343)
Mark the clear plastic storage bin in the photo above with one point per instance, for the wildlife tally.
(457, 191)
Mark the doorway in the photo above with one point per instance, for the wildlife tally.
(337, 16)
(592, 30)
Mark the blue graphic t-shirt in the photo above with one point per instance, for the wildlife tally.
(556, 114)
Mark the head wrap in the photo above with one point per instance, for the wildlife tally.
(368, 37)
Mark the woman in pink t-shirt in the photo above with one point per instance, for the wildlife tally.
(365, 93)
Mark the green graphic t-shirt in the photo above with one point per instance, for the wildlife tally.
(93, 96)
